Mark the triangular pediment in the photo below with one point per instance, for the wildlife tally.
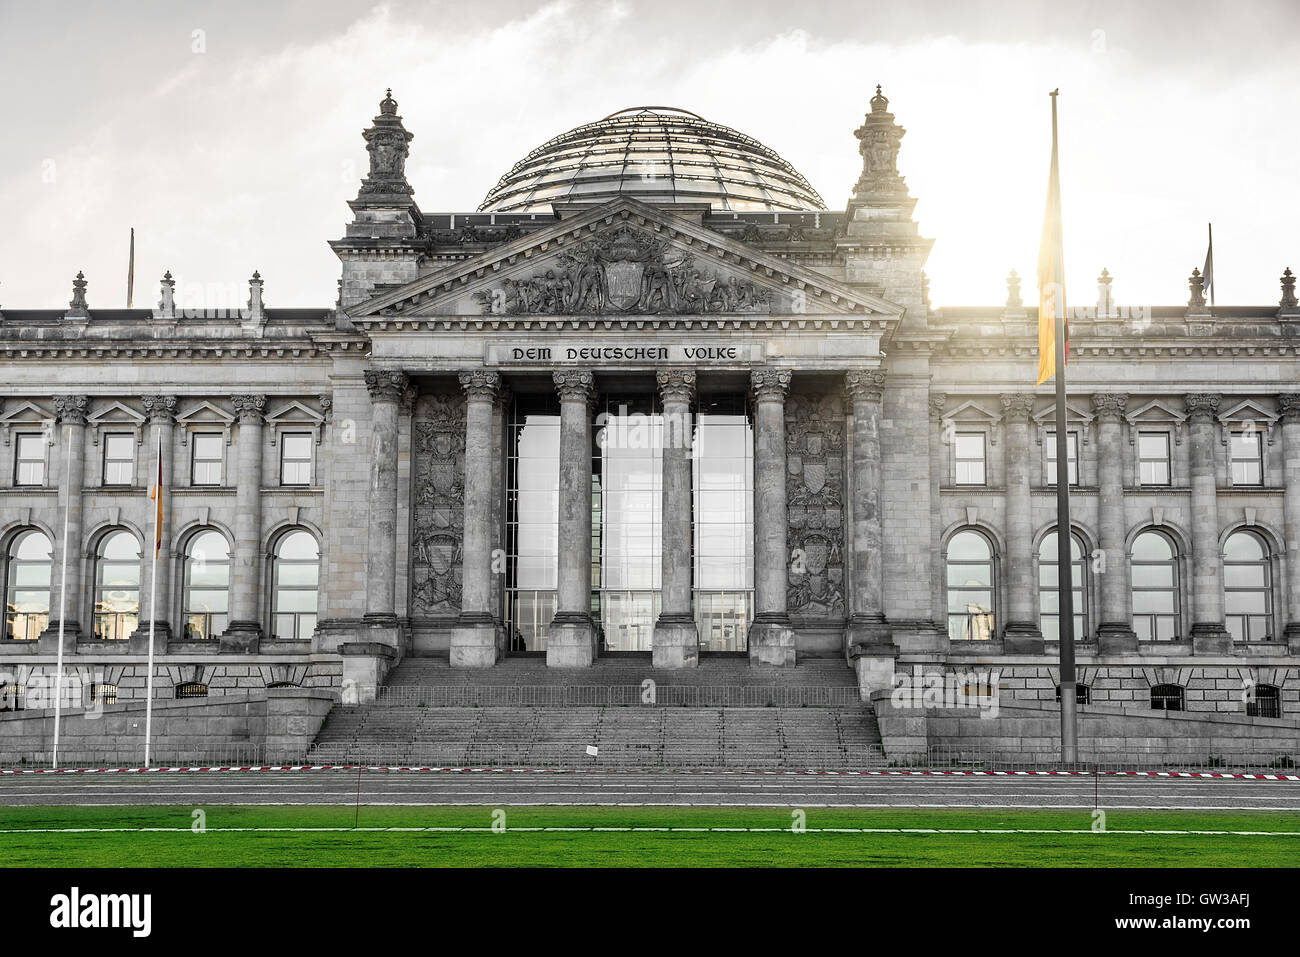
(623, 259)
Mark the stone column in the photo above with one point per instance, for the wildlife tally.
(474, 640)
(1289, 406)
(245, 629)
(866, 630)
(939, 465)
(771, 639)
(1115, 634)
(676, 642)
(571, 637)
(161, 411)
(1209, 634)
(386, 389)
(1021, 634)
(70, 446)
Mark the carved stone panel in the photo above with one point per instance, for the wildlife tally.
(815, 496)
(439, 504)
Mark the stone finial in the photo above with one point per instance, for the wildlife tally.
(255, 316)
(1288, 305)
(77, 307)
(1110, 406)
(1105, 303)
(1197, 283)
(878, 142)
(1201, 405)
(160, 408)
(71, 409)
(769, 383)
(865, 386)
(676, 385)
(480, 384)
(1018, 406)
(1288, 406)
(1015, 302)
(386, 141)
(166, 308)
(575, 384)
(249, 408)
(386, 386)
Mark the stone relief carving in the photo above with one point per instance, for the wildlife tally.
(437, 532)
(625, 270)
(815, 491)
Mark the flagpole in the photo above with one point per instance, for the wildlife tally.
(1210, 226)
(63, 602)
(1064, 533)
(130, 273)
(153, 598)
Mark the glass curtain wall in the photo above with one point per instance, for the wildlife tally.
(533, 476)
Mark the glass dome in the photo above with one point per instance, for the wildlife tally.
(658, 155)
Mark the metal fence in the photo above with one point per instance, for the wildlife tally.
(616, 696)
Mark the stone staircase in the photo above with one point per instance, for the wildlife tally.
(723, 714)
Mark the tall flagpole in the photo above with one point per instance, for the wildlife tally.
(1210, 227)
(63, 602)
(1064, 532)
(153, 597)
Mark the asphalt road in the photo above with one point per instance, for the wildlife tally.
(646, 788)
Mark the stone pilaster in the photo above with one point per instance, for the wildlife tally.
(1115, 634)
(1209, 634)
(245, 629)
(867, 631)
(771, 639)
(475, 639)
(1289, 406)
(939, 446)
(676, 641)
(387, 389)
(571, 637)
(161, 411)
(70, 446)
(1021, 634)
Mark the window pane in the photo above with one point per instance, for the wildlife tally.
(1243, 547)
(295, 601)
(1151, 546)
(297, 445)
(968, 546)
(120, 545)
(294, 574)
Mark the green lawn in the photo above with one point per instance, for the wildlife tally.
(352, 848)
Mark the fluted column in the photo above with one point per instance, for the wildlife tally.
(1289, 406)
(245, 629)
(676, 641)
(1115, 634)
(1021, 634)
(70, 446)
(161, 412)
(474, 639)
(867, 631)
(386, 389)
(1209, 634)
(771, 639)
(571, 637)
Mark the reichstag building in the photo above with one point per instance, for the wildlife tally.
(653, 396)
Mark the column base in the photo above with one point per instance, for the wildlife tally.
(571, 641)
(1116, 638)
(676, 642)
(1211, 638)
(475, 641)
(47, 642)
(365, 666)
(1022, 638)
(771, 641)
(868, 635)
(139, 640)
(239, 638)
(1292, 635)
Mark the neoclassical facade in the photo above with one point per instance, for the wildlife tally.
(652, 397)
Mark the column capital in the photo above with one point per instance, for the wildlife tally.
(480, 384)
(160, 408)
(71, 409)
(1109, 406)
(938, 402)
(575, 384)
(1018, 406)
(385, 385)
(1201, 405)
(1288, 406)
(676, 384)
(770, 383)
(865, 386)
(249, 408)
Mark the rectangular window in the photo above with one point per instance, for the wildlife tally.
(295, 458)
(1247, 458)
(969, 454)
(29, 459)
(1153, 458)
(205, 466)
(119, 458)
(1072, 445)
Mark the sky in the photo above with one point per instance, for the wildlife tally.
(228, 134)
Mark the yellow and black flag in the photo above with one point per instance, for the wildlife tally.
(156, 495)
(1051, 272)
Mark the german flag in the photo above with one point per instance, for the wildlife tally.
(156, 495)
(1051, 272)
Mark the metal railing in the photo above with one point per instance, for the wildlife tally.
(617, 696)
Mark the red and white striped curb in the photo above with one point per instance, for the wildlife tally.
(883, 772)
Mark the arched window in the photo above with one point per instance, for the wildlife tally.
(970, 587)
(1167, 697)
(1153, 573)
(1049, 609)
(207, 586)
(27, 593)
(1247, 597)
(117, 586)
(294, 587)
(1265, 702)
